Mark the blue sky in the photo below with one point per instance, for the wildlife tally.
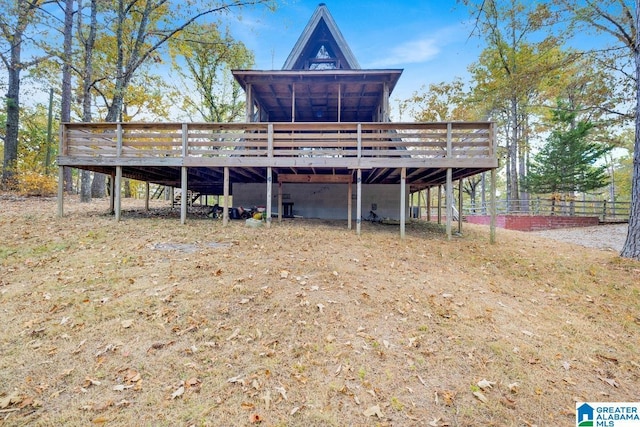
(430, 40)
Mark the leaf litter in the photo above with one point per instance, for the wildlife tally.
(303, 321)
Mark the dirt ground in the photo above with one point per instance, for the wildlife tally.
(607, 237)
(153, 323)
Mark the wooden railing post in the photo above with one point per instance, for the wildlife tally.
(118, 139)
(185, 140)
(449, 140)
(359, 141)
(270, 140)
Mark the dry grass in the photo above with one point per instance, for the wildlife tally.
(148, 322)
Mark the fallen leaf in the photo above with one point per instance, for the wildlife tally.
(126, 323)
(282, 392)
(100, 420)
(610, 381)
(485, 384)
(373, 410)
(513, 387)
(481, 397)
(284, 274)
(294, 410)
(509, 403)
(527, 333)
(237, 379)
(12, 399)
(90, 381)
(179, 392)
(132, 376)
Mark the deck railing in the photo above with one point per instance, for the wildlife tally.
(215, 143)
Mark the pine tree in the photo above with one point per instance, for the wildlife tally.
(568, 161)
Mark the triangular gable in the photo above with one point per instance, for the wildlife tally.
(321, 46)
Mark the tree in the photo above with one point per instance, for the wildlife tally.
(17, 17)
(568, 162)
(631, 248)
(618, 19)
(510, 70)
(87, 41)
(207, 56)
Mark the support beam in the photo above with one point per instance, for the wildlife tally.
(112, 194)
(449, 201)
(492, 208)
(279, 201)
(269, 195)
(428, 204)
(403, 201)
(349, 205)
(185, 196)
(439, 204)
(460, 206)
(146, 196)
(116, 191)
(225, 209)
(61, 191)
(311, 178)
(358, 201)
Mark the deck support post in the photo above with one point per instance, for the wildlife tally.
(112, 195)
(61, 191)
(449, 202)
(358, 201)
(225, 209)
(428, 204)
(269, 195)
(439, 204)
(279, 201)
(460, 206)
(492, 208)
(185, 196)
(349, 204)
(146, 196)
(403, 200)
(116, 192)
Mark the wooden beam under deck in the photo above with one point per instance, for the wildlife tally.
(310, 178)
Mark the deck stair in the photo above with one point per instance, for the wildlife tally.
(192, 196)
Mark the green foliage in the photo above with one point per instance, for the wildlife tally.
(568, 161)
(443, 102)
(204, 57)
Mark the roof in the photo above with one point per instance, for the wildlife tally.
(319, 95)
(321, 30)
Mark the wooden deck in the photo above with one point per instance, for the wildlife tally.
(154, 152)
(207, 157)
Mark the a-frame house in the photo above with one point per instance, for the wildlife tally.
(317, 142)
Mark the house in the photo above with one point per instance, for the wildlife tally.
(314, 130)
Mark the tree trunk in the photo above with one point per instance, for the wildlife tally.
(85, 186)
(513, 156)
(631, 248)
(13, 116)
(89, 42)
(65, 101)
(98, 185)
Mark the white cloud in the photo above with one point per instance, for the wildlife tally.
(410, 52)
